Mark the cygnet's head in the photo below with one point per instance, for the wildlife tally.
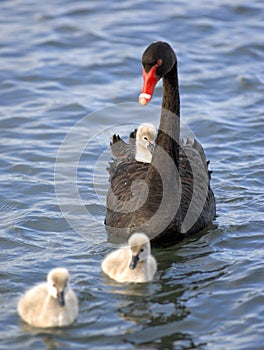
(145, 143)
(146, 136)
(139, 247)
(58, 284)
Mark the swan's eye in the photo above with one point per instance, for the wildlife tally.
(145, 138)
(159, 62)
(141, 250)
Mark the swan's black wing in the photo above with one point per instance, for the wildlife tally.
(120, 148)
(132, 137)
(122, 152)
(197, 196)
(197, 199)
(121, 200)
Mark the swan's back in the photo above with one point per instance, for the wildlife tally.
(195, 181)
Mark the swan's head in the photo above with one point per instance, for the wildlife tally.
(157, 60)
(145, 143)
(58, 284)
(139, 246)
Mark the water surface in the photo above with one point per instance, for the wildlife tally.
(65, 67)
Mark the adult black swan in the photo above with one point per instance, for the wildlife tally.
(169, 198)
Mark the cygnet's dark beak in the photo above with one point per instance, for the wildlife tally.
(60, 298)
(134, 261)
(151, 147)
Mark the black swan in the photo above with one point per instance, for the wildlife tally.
(170, 198)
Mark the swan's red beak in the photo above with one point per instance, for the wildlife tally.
(150, 81)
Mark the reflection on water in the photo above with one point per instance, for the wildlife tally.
(70, 71)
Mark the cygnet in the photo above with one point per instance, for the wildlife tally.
(132, 263)
(50, 304)
(145, 138)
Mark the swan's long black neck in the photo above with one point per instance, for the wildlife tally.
(169, 128)
(171, 98)
(163, 175)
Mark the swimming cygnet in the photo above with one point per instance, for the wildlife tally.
(145, 143)
(50, 304)
(132, 263)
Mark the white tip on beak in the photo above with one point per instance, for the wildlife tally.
(144, 98)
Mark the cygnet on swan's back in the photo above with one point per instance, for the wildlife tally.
(132, 263)
(50, 304)
(145, 138)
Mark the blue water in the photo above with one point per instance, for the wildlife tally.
(70, 76)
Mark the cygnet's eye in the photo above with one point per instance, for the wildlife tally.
(142, 250)
(54, 285)
(145, 138)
